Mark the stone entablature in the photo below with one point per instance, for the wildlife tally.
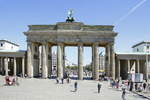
(71, 26)
(13, 54)
(131, 56)
(71, 33)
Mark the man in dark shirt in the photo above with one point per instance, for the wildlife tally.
(75, 86)
(123, 94)
(99, 87)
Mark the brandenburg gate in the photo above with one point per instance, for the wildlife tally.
(64, 34)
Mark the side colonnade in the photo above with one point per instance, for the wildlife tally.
(128, 65)
(12, 66)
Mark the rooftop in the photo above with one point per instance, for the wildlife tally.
(132, 53)
(9, 42)
(143, 42)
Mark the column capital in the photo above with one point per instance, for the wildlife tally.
(96, 44)
(6, 57)
(80, 44)
(137, 59)
(29, 42)
(44, 43)
(110, 44)
(60, 43)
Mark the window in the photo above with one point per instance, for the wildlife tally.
(147, 46)
(1, 44)
(11, 47)
(137, 50)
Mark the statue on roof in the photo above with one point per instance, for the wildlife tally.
(70, 17)
(70, 13)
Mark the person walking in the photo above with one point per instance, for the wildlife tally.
(144, 86)
(75, 86)
(99, 87)
(68, 80)
(117, 84)
(123, 93)
(136, 86)
(131, 86)
(62, 80)
(57, 80)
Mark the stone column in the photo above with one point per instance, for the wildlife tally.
(80, 61)
(99, 61)
(118, 68)
(6, 65)
(1, 65)
(30, 59)
(96, 61)
(60, 60)
(40, 59)
(15, 67)
(23, 71)
(146, 69)
(138, 66)
(107, 63)
(128, 66)
(63, 60)
(93, 70)
(44, 60)
(49, 60)
(112, 61)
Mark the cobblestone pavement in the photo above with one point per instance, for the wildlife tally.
(47, 89)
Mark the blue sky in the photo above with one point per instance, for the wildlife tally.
(15, 15)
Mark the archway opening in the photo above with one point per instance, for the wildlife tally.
(71, 61)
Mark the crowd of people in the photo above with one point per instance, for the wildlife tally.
(10, 80)
(118, 84)
(131, 86)
(61, 80)
(138, 87)
(68, 80)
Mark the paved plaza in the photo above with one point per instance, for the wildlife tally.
(46, 89)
